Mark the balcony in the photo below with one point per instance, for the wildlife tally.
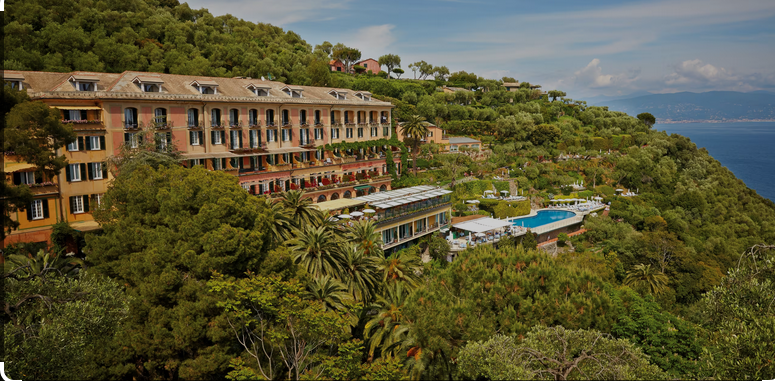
(44, 188)
(287, 124)
(193, 126)
(270, 123)
(318, 123)
(235, 124)
(403, 212)
(161, 124)
(217, 124)
(254, 124)
(304, 123)
(429, 229)
(130, 125)
(336, 124)
(85, 124)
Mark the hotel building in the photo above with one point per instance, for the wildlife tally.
(268, 134)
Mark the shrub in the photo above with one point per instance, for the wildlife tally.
(562, 239)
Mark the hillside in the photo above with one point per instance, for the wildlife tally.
(710, 106)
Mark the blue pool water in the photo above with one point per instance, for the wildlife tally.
(542, 218)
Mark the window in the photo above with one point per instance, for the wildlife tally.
(74, 172)
(374, 131)
(318, 133)
(271, 135)
(255, 139)
(17, 84)
(234, 118)
(196, 137)
(286, 158)
(293, 93)
(85, 86)
(130, 117)
(286, 117)
(94, 143)
(131, 139)
(160, 117)
(317, 117)
(303, 116)
(79, 204)
(150, 88)
(334, 133)
(163, 139)
(215, 118)
(217, 164)
(340, 95)
(319, 154)
(253, 117)
(73, 146)
(217, 137)
(365, 65)
(235, 139)
(349, 133)
(26, 178)
(76, 114)
(37, 209)
(270, 117)
(385, 131)
(347, 117)
(360, 132)
(96, 171)
(285, 135)
(193, 117)
(195, 162)
(98, 199)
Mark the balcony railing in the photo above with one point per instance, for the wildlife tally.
(235, 124)
(254, 124)
(398, 213)
(161, 124)
(130, 125)
(217, 124)
(270, 123)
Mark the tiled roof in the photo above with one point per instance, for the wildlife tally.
(176, 87)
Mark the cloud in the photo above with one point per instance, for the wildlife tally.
(280, 13)
(696, 71)
(592, 76)
(373, 41)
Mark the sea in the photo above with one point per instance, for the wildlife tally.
(745, 148)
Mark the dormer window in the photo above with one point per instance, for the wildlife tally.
(84, 82)
(293, 92)
(364, 95)
(149, 84)
(205, 87)
(15, 80)
(259, 90)
(338, 94)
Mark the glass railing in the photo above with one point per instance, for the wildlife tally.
(405, 210)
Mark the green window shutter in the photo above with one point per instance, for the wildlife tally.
(104, 171)
(68, 173)
(29, 211)
(91, 171)
(240, 138)
(191, 136)
(102, 143)
(72, 204)
(45, 208)
(201, 137)
(85, 203)
(83, 170)
(212, 136)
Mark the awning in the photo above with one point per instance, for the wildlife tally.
(288, 150)
(481, 225)
(78, 107)
(85, 226)
(15, 167)
(338, 204)
(362, 187)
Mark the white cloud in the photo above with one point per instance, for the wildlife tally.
(373, 41)
(275, 12)
(592, 76)
(696, 71)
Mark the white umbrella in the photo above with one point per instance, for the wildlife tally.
(488, 191)
(473, 201)
(356, 214)
(369, 211)
(333, 219)
(444, 230)
(345, 216)
(480, 234)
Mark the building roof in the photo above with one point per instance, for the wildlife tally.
(389, 199)
(461, 140)
(511, 84)
(481, 225)
(338, 204)
(456, 88)
(48, 85)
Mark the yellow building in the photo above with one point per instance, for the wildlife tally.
(269, 134)
(401, 216)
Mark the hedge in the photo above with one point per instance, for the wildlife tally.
(506, 209)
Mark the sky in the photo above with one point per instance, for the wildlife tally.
(585, 48)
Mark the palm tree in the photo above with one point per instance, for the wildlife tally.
(401, 267)
(18, 265)
(644, 276)
(329, 291)
(316, 250)
(388, 330)
(300, 208)
(280, 226)
(415, 128)
(359, 272)
(362, 233)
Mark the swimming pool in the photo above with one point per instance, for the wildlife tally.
(542, 218)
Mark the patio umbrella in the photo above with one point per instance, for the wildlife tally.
(488, 191)
(356, 214)
(473, 201)
(480, 234)
(345, 216)
(369, 211)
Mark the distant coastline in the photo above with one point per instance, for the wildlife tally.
(669, 121)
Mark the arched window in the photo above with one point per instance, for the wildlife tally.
(359, 193)
(382, 188)
(335, 196)
(160, 117)
(270, 117)
(372, 190)
(234, 117)
(253, 117)
(348, 194)
(286, 117)
(193, 117)
(303, 116)
(215, 118)
(130, 117)
(321, 198)
(317, 117)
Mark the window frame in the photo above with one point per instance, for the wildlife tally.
(75, 168)
(78, 209)
(37, 207)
